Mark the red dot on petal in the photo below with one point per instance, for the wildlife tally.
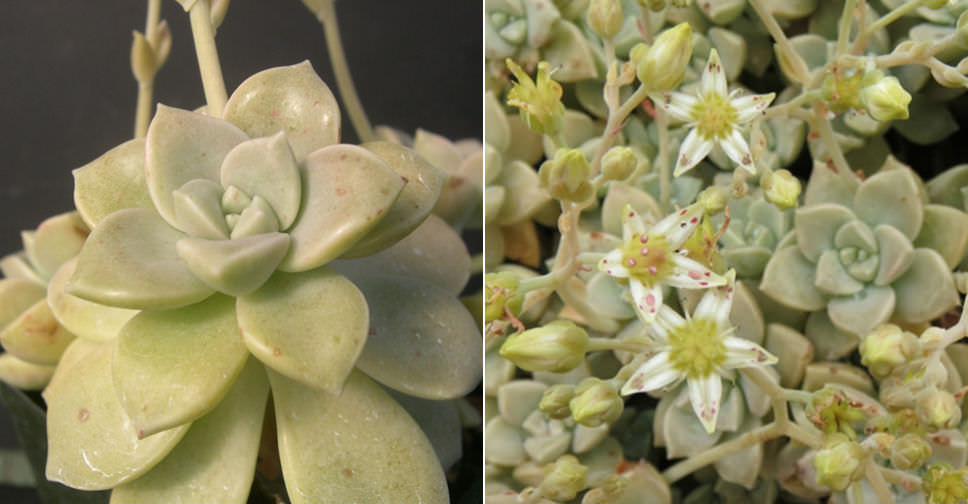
(703, 283)
(707, 273)
(694, 275)
(650, 300)
(694, 220)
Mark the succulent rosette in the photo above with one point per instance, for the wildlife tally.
(222, 233)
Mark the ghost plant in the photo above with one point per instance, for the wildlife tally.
(235, 274)
(787, 315)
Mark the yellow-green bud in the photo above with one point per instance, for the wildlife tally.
(885, 348)
(663, 65)
(539, 100)
(834, 413)
(713, 199)
(619, 162)
(565, 480)
(554, 402)
(910, 451)
(653, 5)
(886, 99)
(781, 188)
(944, 484)
(934, 4)
(596, 402)
(567, 177)
(557, 347)
(502, 293)
(839, 463)
(938, 408)
(605, 17)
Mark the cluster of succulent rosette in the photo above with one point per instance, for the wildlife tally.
(720, 265)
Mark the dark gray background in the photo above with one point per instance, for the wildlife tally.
(67, 94)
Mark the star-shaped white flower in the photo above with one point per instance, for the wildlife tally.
(699, 349)
(650, 256)
(714, 117)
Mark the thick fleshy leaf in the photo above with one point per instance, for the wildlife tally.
(895, 254)
(829, 342)
(743, 467)
(291, 99)
(215, 461)
(112, 182)
(439, 421)
(23, 374)
(945, 230)
(860, 313)
(130, 261)
(829, 186)
(748, 262)
(234, 267)
(946, 187)
(182, 146)
(173, 366)
(568, 51)
(92, 443)
(816, 226)
(56, 240)
(81, 317)
(926, 290)
(17, 266)
(359, 446)
(684, 435)
(832, 278)
(789, 279)
(17, 295)
(36, 336)
(422, 340)
(891, 197)
(255, 219)
(433, 252)
(347, 190)
(792, 350)
(855, 234)
(505, 443)
(198, 209)
(265, 167)
(621, 194)
(524, 197)
(310, 327)
(423, 183)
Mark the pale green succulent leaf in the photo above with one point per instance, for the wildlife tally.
(422, 340)
(793, 351)
(182, 146)
(22, 374)
(439, 421)
(829, 186)
(290, 99)
(266, 167)
(112, 182)
(497, 372)
(130, 261)
(829, 342)
(895, 254)
(855, 234)
(606, 297)
(433, 252)
(17, 295)
(215, 462)
(234, 267)
(748, 262)
(92, 443)
(524, 197)
(832, 278)
(81, 317)
(729, 44)
(945, 230)
(310, 327)
(926, 290)
(682, 432)
(36, 336)
(56, 240)
(173, 366)
(256, 219)
(347, 190)
(436, 150)
(358, 446)
(891, 197)
(423, 183)
(746, 315)
(816, 227)
(742, 467)
(862, 312)
(946, 187)
(198, 209)
(789, 279)
(518, 399)
(497, 132)
(621, 194)
(929, 121)
(569, 51)
(17, 266)
(505, 443)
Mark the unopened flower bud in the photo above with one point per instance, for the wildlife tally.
(605, 17)
(834, 413)
(943, 484)
(554, 402)
(502, 293)
(839, 463)
(885, 348)
(886, 99)
(909, 452)
(781, 188)
(663, 65)
(653, 5)
(934, 4)
(557, 347)
(566, 479)
(539, 100)
(567, 177)
(932, 338)
(619, 162)
(938, 408)
(596, 402)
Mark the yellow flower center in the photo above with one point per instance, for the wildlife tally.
(647, 258)
(714, 116)
(696, 348)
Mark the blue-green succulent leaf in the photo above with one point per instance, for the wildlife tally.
(112, 182)
(862, 312)
(855, 234)
(789, 278)
(895, 254)
(83, 318)
(926, 290)
(891, 197)
(266, 168)
(945, 230)
(36, 336)
(817, 225)
(832, 278)
(829, 186)
(198, 209)
(946, 187)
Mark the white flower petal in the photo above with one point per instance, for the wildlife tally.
(694, 149)
(689, 274)
(654, 374)
(749, 106)
(611, 264)
(647, 300)
(742, 353)
(738, 150)
(680, 225)
(677, 105)
(666, 320)
(713, 77)
(632, 223)
(704, 394)
(717, 302)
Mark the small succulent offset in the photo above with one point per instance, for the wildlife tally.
(786, 319)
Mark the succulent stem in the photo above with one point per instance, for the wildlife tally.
(344, 80)
(843, 30)
(798, 66)
(892, 16)
(208, 63)
(146, 88)
(878, 483)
